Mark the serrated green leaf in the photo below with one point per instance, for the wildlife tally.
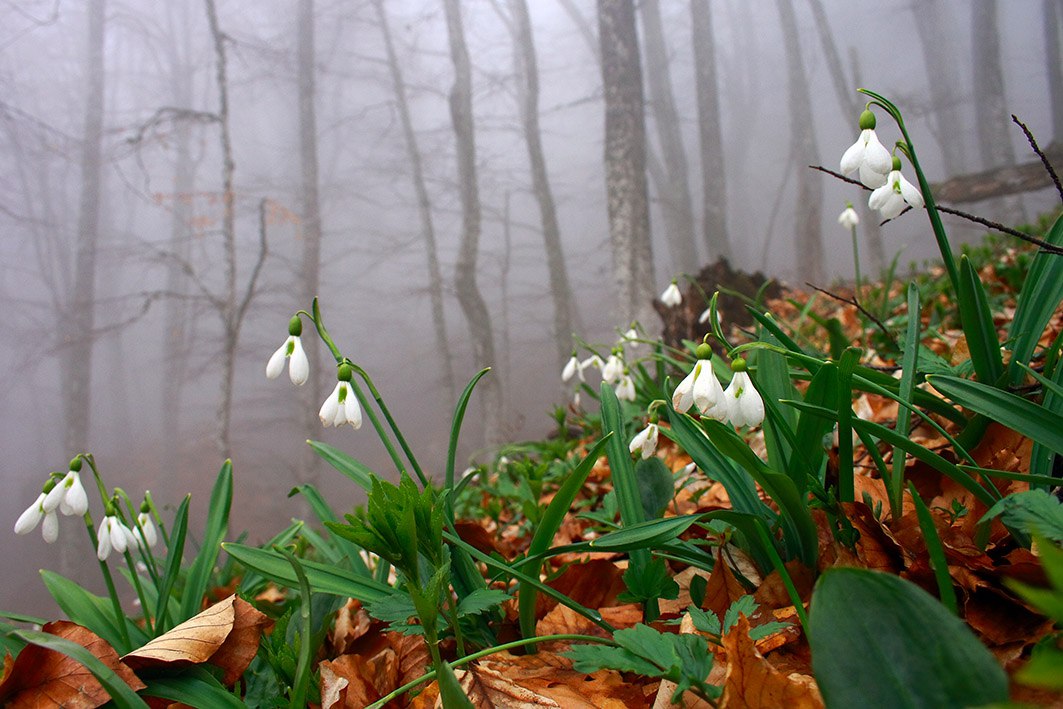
(705, 621)
(649, 581)
(480, 600)
(1034, 511)
(880, 641)
(744, 605)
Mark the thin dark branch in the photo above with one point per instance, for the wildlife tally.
(263, 251)
(856, 303)
(1044, 158)
(996, 226)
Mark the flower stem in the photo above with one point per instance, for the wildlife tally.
(391, 422)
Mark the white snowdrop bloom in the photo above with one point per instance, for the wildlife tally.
(54, 496)
(298, 364)
(572, 368)
(625, 388)
(867, 155)
(891, 198)
(149, 537)
(613, 369)
(705, 315)
(701, 387)
(74, 500)
(341, 407)
(744, 405)
(645, 441)
(671, 296)
(34, 515)
(593, 361)
(688, 469)
(112, 534)
(631, 338)
(576, 401)
(849, 218)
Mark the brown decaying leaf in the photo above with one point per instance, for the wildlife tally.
(723, 587)
(40, 678)
(226, 634)
(752, 683)
(593, 584)
(356, 682)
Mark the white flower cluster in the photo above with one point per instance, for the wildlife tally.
(738, 405)
(66, 496)
(879, 171)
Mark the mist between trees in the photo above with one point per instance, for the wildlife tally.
(463, 183)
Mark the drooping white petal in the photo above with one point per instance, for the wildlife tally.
(746, 406)
(683, 396)
(150, 536)
(352, 411)
(298, 364)
(872, 178)
(119, 536)
(882, 194)
(75, 502)
(593, 361)
(671, 295)
(50, 527)
(852, 157)
(340, 416)
(625, 389)
(54, 497)
(571, 368)
(327, 414)
(705, 315)
(876, 156)
(28, 520)
(910, 193)
(103, 539)
(276, 361)
(645, 442)
(708, 394)
(848, 218)
(613, 369)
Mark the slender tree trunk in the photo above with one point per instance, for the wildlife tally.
(625, 161)
(424, 205)
(1054, 65)
(472, 302)
(710, 134)
(566, 315)
(845, 89)
(80, 316)
(674, 193)
(310, 226)
(948, 122)
(809, 243)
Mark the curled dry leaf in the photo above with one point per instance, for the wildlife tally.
(225, 635)
(353, 682)
(40, 678)
(723, 587)
(752, 683)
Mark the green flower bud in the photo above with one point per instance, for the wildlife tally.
(145, 506)
(345, 372)
(295, 326)
(896, 163)
(109, 510)
(49, 484)
(867, 120)
(75, 464)
(703, 351)
(739, 365)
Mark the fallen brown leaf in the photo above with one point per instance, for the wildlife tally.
(752, 683)
(723, 587)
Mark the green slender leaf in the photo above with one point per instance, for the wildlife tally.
(620, 466)
(455, 426)
(844, 405)
(978, 326)
(122, 695)
(324, 578)
(644, 535)
(221, 500)
(1042, 458)
(251, 578)
(193, 686)
(450, 692)
(353, 469)
(822, 391)
(774, 383)
(1029, 419)
(1041, 294)
(325, 513)
(880, 641)
(936, 550)
(1033, 480)
(174, 556)
(909, 363)
(94, 612)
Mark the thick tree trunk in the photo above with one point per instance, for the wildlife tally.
(566, 315)
(1054, 65)
(472, 302)
(851, 106)
(80, 316)
(424, 205)
(948, 120)
(625, 161)
(673, 193)
(809, 243)
(710, 134)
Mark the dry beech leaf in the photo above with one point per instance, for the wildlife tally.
(488, 689)
(551, 675)
(333, 689)
(364, 680)
(752, 683)
(226, 635)
(40, 678)
(723, 588)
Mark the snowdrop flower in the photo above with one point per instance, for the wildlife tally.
(645, 442)
(867, 155)
(292, 350)
(37, 512)
(631, 337)
(688, 469)
(625, 388)
(593, 361)
(341, 406)
(849, 218)
(890, 198)
(701, 387)
(150, 537)
(112, 534)
(744, 405)
(671, 296)
(613, 369)
(74, 501)
(572, 368)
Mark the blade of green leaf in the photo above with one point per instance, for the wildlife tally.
(325, 513)
(221, 500)
(193, 686)
(455, 427)
(1040, 296)
(121, 694)
(94, 612)
(644, 535)
(909, 363)
(906, 649)
(451, 694)
(1029, 419)
(174, 557)
(353, 469)
(324, 578)
(936, 550)
(822, 391)
(977, 324)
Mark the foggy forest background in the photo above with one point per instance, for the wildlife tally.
(139, 309)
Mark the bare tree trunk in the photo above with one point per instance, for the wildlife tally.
(710, 134)
(809, 243)
(674, 193)
(424, 205)
(472, 302)
(1054, 65)
(79, 320)
(625, 160)
(845, 89)
(566, 314)
(948, 120)
(310, 227)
